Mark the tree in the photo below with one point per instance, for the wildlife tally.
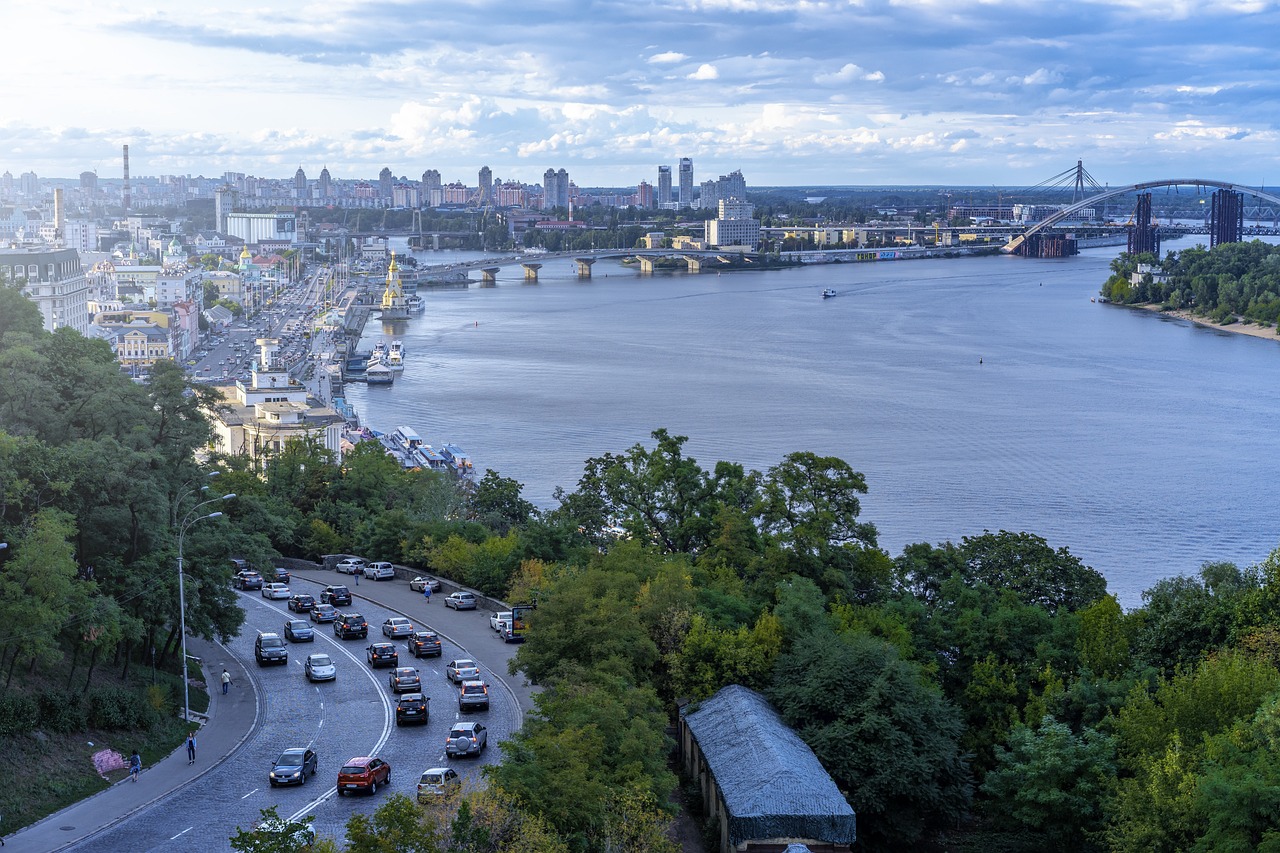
(274, 834)
(1025, 564)
(396, 826)
(496, 503)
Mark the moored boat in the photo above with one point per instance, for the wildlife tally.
(395, 356)
(377, 372)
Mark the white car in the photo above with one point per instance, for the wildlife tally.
(349, 566)
(460, 601)
(275, 590)
(421, 582)
(380, 571)
(500, 620)
(397, 627)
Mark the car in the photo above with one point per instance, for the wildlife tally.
(424, 644)
(382, 654)
(293, 767)
(301, 602)
(248, 579)
(461, 670)
(404, 679)
(349, 566)
(421, 582)
(348, 625)
(363, 773)
(412, 708)
(269, 647)
(460, 601)
(276, 590)
(500, 620)
(299, 631)
(437, 782)
(397, 627)
(324, 613)
(319, 667)
(466, 738)
(473, 695)
(335, 594)
(380, 571)
(281, 574)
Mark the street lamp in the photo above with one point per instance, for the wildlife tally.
(187, 521)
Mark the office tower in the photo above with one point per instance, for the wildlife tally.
(664, 186)
(485, 189)
(432, 189)
(323, 185)
(686, 182)
(385, 181)
(549, 192)
(300, 184)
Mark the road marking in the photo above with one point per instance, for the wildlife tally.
(250, 794)
(180, 834)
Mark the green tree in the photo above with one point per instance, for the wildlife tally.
(397, 826)
(1025, 564)
(496, 503)
(274, 834)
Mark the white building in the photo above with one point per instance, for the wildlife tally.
(55, 281)
(735, 225)
(256, 228)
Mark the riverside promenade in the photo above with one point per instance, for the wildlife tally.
(232, 718)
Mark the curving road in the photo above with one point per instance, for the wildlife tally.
(353, 715)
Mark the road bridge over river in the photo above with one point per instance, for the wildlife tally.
(694, 260)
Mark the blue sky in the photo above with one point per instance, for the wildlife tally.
(964, 92)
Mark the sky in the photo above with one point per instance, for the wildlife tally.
(791, 92)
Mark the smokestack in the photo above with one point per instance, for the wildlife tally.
(126, 180)
(59, 212)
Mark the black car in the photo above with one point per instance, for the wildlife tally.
(280, 574)
(412, 708)
(293, 767)
(424, 644)
(300, 602)
(248, 579)
(336, 594)
(382, 654)
(349, 625)
(299, 631)
(270, 648)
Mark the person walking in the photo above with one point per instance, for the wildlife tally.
(426, 593)
(358, 572)
(226, 682)
(191, 748)
(135, 765)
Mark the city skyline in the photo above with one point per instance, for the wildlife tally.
(831, 93)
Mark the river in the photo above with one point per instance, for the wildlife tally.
(976, 393)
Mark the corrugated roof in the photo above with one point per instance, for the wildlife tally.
(772, 783)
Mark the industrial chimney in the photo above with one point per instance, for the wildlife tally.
(126, 181)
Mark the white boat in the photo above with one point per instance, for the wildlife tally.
(828, 293)
(378, 372)
(395, 356)
(415, 304)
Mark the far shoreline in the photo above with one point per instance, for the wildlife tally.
(1239, 327)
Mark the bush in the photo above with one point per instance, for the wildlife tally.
(61, 711)
(18, 713)
(119, 709)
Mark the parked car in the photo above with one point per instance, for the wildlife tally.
(460, 601)
(380, 571)
(421, 582)
(335, 594)
(467, 738)
(382, 654)
(349, 566)
(404, 679)
(293, 767)
(437, 782)
(301, 602)
(299, 631)
(473, 696)
(500, 620)
(424, 643)
(461, 670)
(269, 647)
(412, 708)
(248, 579)
(363, 773)
(397, 627)
(281, 574)
(324, 613)
(350, 625)
(276, 590)
(319, 667)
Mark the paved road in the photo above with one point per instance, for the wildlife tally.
(178, 807)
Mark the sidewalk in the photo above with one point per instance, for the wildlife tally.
(231, 719)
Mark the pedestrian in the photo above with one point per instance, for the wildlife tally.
(426, 593)
(191, 748)
(357, 573)
(226, 682)
(135, 765)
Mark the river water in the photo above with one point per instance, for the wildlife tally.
(974, 393)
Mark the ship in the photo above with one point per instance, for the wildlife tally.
(395, 356)
(414, 304)
(377, 371)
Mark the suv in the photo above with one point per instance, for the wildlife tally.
(424, 643)
(348, 625)
(412, 708)
(300, 602)
(466, 739)
(473, 695)
(460, 601)
(382, 654)
(349, 566)
(380, 571)
(437, 782)
(248, 579)
(270, 648)
(363, 773)
(336, 594)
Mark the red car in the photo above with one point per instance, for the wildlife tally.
(363, 773)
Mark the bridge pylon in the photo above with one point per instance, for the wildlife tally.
(584, 266)
(489, 275)
(531, 271)
(646, 264)
(695, 263)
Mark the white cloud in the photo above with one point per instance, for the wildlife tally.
(667, 58)
(848, 73)
(706, 71)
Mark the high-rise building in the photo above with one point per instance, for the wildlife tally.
(323, 184)
(664, 186)
(300, 184)
(555, 189)
(484, 192)
(728, 187)
(735, 225)
(644, 195)
(385, 182)
(89, 183)
(29, 185)
(223, 200)
(686, 182)
(432, 189)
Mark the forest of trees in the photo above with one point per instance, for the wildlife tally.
(986, 694)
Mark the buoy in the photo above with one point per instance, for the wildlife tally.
(979, 359)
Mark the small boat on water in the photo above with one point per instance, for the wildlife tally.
(395, 356)
(415, 304)
(828, 293)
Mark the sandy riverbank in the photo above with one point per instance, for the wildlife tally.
(1237, 328)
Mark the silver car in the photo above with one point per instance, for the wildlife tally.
(462, 669)
(466, 739)
(397, 627)
(319, 667)
(460, 601)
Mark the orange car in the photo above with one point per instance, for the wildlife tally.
(363, 773)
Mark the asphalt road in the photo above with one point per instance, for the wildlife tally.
(353, 715)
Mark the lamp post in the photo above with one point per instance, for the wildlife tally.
(187, 521)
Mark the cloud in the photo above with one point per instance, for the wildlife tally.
(667, 58)
(848, 73)
(706, 71)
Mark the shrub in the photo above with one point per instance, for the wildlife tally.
(18, 713)
(117, 708)
(61, 711)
